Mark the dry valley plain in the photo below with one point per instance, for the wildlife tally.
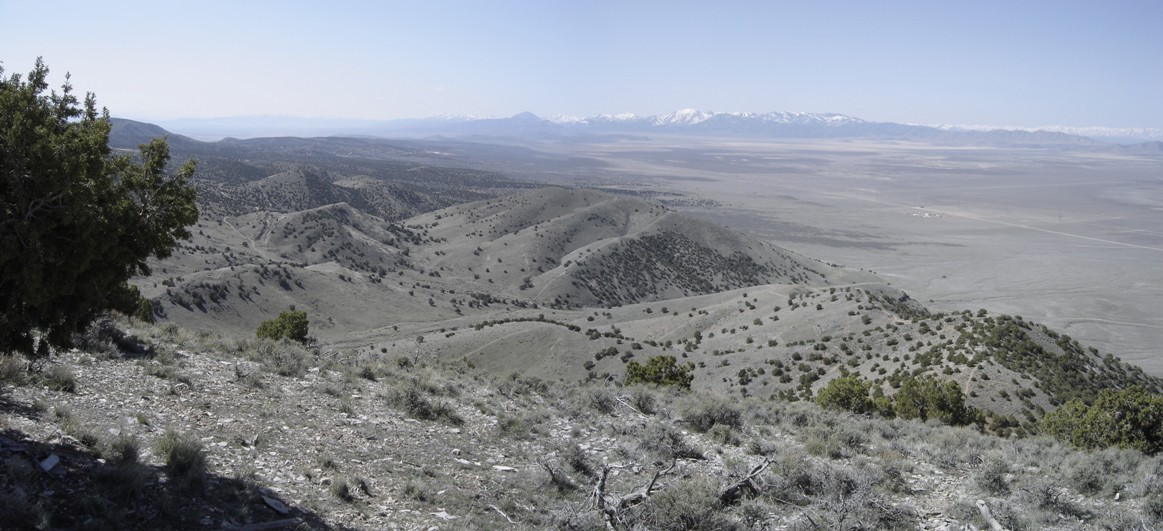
(1071, 238)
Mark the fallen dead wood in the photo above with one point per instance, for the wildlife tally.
(748, 486)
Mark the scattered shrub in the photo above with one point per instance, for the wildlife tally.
(414, 402)
(691, 503)
(291, 324)
(848, 393)
(705, 413)
(991, 475)
(927, 398)
(660, 370)
(1130, 418)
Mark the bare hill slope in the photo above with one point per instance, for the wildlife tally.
(584, 248)
(573, 284)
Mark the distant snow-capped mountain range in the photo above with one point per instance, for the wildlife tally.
(689, 117)
(683, 122)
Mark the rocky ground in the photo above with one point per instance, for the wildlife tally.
(272, 436)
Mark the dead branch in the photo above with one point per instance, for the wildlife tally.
(502, 513)
(746, 486)
(984, 509)
(559, 478)
(622, 400)
(612, 506)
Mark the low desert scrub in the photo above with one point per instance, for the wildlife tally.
(121, 480)
(416, 403)
(990, 477)
(185, 460)
(124, 449)
(600, 399)
(72, 426)
(283, 357)
(1153, 508)
(833, 442)
(59, 378)
(516, 385)
(1102, 472)
(342, 490)
(13, 370)
(643, 400)
(703, 413)
(690, 503)
(22, 511)
(665, 442)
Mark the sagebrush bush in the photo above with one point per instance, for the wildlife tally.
(990, 477)
(1149, 477)
(600, 399)
(643, 400)
(665, 442)
(285, 358)
(1153, 508)
(124, 448)
(414, 402)
(835, 442)
(121, 480)
(690, 503)
(1105, 471)
(703, 413)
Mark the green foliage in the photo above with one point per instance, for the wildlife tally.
(928, 398)
(76, 222)
(291, 324)
(849, 393)
(1130, 418)
(660, 370)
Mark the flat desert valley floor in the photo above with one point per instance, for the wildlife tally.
(1073, 239)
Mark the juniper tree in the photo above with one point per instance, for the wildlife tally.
(76, 221)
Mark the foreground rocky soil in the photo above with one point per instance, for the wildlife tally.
(168, 429)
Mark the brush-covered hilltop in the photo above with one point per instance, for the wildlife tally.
(571, 284)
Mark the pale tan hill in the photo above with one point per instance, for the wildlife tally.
(303, 187)
(570, 285)
(341, 234)
(584, 248)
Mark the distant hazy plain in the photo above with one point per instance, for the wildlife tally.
(1070, 238)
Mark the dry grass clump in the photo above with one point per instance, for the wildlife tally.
(414, 401)
(59, 378)
(283, 357)
(13, 370)
(185, 460)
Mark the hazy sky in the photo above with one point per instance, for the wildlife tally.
(1009, 62)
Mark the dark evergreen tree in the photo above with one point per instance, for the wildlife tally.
(76, 221)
